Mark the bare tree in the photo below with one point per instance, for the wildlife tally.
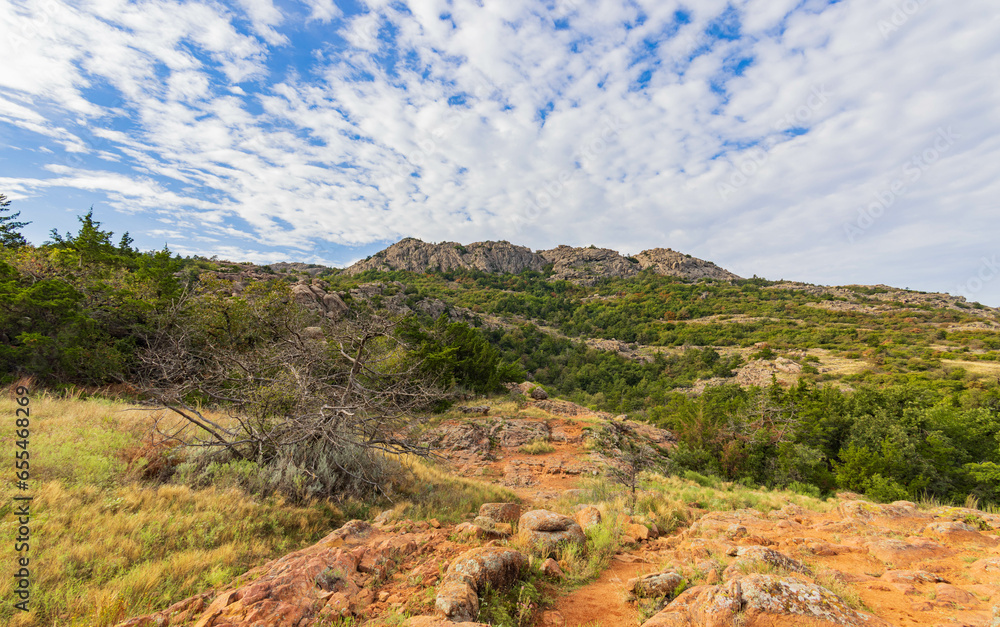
(295, 389)
(628, 454)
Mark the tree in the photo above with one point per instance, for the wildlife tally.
(629, 454)
(91, 244)
(10, 236)
(318, 405)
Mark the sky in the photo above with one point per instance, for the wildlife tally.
(826, 142)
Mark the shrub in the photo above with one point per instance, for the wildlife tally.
(537, 446)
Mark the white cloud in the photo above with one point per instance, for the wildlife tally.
(322, 10)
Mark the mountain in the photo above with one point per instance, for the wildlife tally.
(583, 266)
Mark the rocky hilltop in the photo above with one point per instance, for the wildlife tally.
(414, 255)
(580, 265)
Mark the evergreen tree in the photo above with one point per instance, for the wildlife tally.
(10, 237)
(91, 244)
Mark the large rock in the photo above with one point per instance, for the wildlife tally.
(749, 558)
(903, 553)
(314, 295)
(588, 265)
(588, 516)
(292, 590)
(458, 595)
(673, 263)
(549, 531)
(867, 511)
(412, 255)
(501, 512)
(654, 585)
(518, 432)
(760, 600)
(959, 532)
(437, 621)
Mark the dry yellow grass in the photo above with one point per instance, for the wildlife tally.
(433, 492)
(988, 368)
(104, 548)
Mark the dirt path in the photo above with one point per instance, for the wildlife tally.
(603, 601)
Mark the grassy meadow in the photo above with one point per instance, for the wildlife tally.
(107, 545)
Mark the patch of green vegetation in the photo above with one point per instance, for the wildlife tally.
(517, 606)
(538, 446)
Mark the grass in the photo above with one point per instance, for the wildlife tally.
(107, 546)
(537, 447)
(104, 547)
(673, 502)
(516, 607)
(432, 492)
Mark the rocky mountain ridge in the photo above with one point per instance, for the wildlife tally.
(579, 265)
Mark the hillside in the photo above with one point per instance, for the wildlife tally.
(309, 393)
(786, 558)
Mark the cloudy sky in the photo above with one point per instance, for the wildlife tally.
(828, 142)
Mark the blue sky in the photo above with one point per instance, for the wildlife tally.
(827, 142)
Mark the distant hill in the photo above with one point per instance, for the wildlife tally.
(583, 266)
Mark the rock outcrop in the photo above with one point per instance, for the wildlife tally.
(761, 600)
(458, 595)
(501, 512)
(296, 589)
(579, 265)
(412, 255)
(588, 265)
(549, 531)
(673, 263)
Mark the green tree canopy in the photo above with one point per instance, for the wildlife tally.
(10, 235)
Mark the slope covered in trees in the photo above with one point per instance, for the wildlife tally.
(883, 391)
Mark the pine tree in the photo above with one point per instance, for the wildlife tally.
(10, 236)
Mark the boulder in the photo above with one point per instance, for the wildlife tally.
(987, 568)
(548, 531)
(655, 585)
(518, 432)
(761, 600)
(458, 595)
(637, 531)
(959, 532)
(539, 394)
(749, 558)
(551, 568)
(290, 590)
(588, 516)
(902, 553)
(910, 576)
(501, 512)
(436, 621)
(946, 593)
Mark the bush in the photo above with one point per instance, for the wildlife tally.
(805, 489)
(885, 490)
(537, 447)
